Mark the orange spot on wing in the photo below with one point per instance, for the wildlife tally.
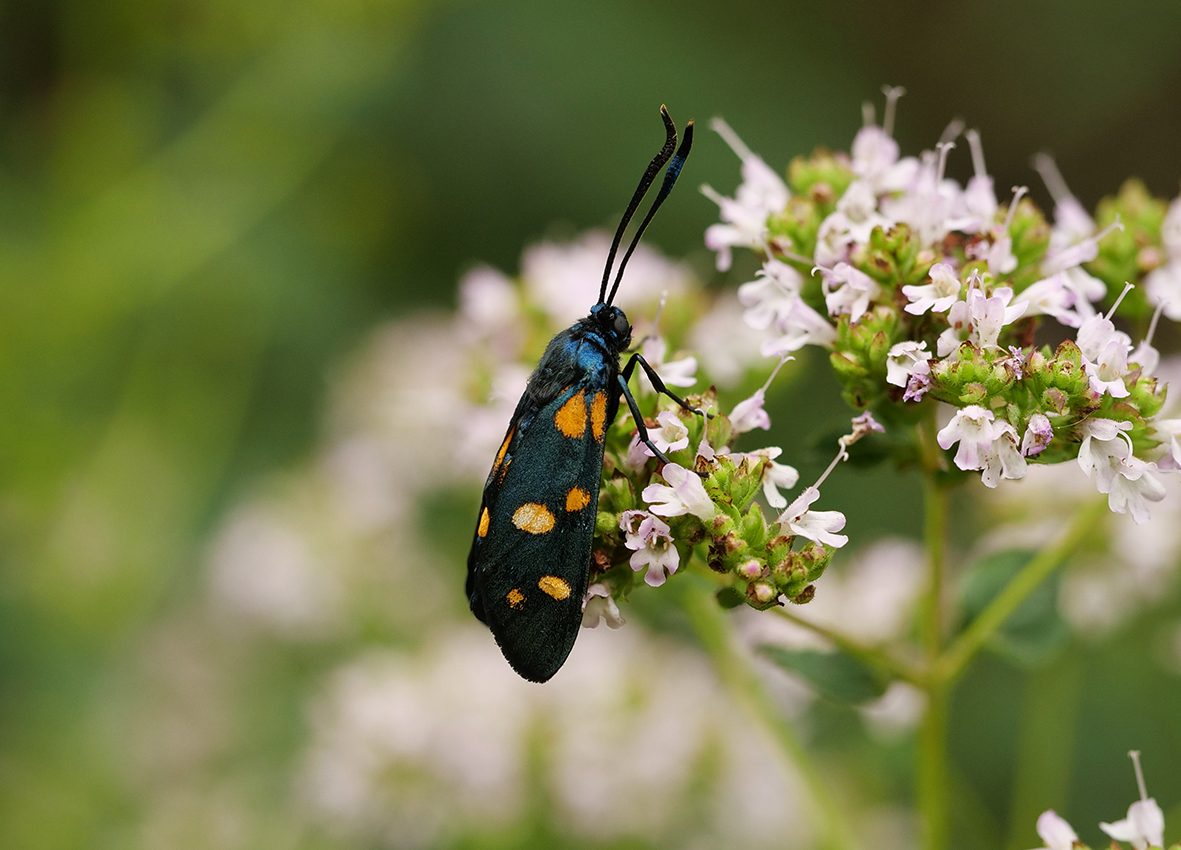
(577, 499)
(555, 587)
(515, 599)
(571, 416)
(508, 438)
(482, 531)
(599, 415)
(533, 518)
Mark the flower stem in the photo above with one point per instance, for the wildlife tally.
(932, 777)
(735, 671)
(955, 660)
(870, 655)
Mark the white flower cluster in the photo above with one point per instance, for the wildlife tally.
(975, 288)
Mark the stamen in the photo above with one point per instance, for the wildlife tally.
(952, 131)
(728, 135)
(1044, 164)
(1160, 308)
(1128, 287)
(842, 454)
(977, 153)
(944, 148)
(867, 114)
(1134, 755)
(774, 372)
(1115, 225)
(820, 269)
(1018, 193)
(892, 94)
(712, 193)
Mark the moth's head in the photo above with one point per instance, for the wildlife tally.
(612, 323)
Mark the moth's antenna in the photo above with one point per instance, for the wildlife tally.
(657, 163)
(670, 180)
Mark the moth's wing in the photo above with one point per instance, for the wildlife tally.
(530, 557)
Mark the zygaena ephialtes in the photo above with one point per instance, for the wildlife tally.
(530, 558)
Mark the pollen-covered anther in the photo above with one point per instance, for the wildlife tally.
(571, 417)
(482, 531)
(599, 415)
(554, 587)
(577, 499)
(533, 518)
(515, 599)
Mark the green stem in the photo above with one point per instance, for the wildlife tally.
(710, 625)
(870, 655)
(932, 737)
(954, 661)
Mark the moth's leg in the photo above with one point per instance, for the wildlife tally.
(641, 429)
(660, 386)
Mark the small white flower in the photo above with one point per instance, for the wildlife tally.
(1106, 372)
(681, 372)
(1095, 333)
(671, 436)
(652, 546)
(972, 428)
(906, 359)
(744, 217)
(988, 314)
(749, 414)
(1005, 460)
(1171, 230)
(1132, 490)
(818, 526)
(1055, 831)
(799, 327)
(1103, 450)
(1169, 432)
(772, 295)
(1143, 827)
(775, 476)
(1057, 296)
(1163, 286)
(1038, 434)
(847, 290)
(863, 424)
(938, 295)
(598, 607)
(684, 494)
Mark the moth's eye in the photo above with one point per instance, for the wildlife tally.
(621, 325)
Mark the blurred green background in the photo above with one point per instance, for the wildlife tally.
(205, 205)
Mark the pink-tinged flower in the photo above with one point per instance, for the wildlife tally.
(1163, 286)
(1095, 333)
(847, 290)
(858, 212)
(1080, 252)
(1143, 827)
(1038, 434)
(863, 424)
(984, 444)
(917, 387)
(906, 359)
(671, 435)
(681, 372)
(818, 526)
(1136, 485)
(938, 295)
(772, 295)
(1055, 831)
(684, 494)
(652, 546)
(1071, 220)
(598, 607)
(988, 314)
(1058, 295)
(929, 202)
(1169, 433)
(972, 429)
(705, 450)
(874, 152)
(1170, 231)
(1145, 824)
(1104, 449)
(1004, 460)
(744, 217)
(775, 476)
(1106, 372)
(979, 198)
(801, 326)
(1146, 357)
(749, 414)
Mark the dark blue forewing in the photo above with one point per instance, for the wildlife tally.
(530, 557)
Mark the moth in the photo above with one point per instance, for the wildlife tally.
(530, 558)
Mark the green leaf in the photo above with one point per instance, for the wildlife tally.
(834, 675)
(1035, 632)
